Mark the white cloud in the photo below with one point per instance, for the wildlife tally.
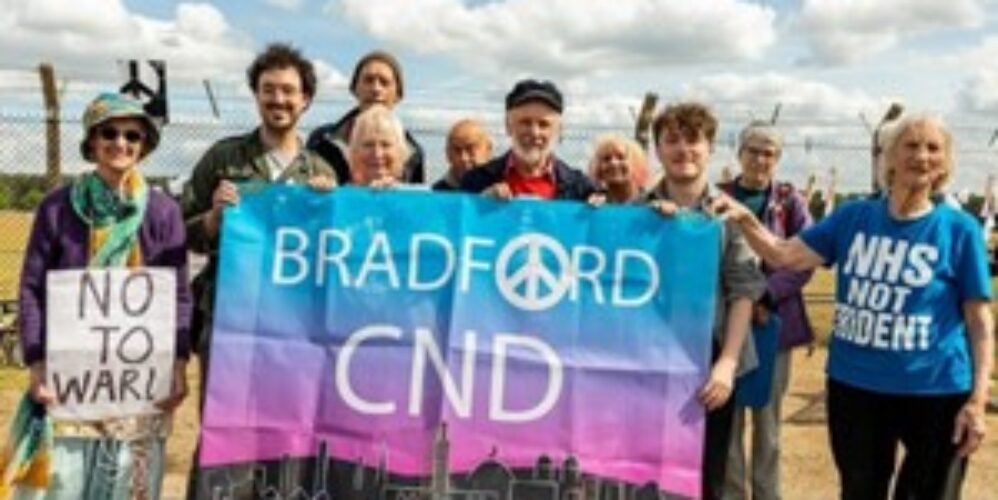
(567, 38)
(330, 78)
(820, 122)
(979, 93)
(798, 97)
(87, 38)
(846, 31)
(285, 4)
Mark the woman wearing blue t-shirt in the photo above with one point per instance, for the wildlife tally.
(911, 348)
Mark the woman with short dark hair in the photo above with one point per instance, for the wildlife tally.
(376, 80)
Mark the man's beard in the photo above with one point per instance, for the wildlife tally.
(532, 156)
(279, 125)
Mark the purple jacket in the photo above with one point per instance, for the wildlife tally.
(59, 240)
(786, 214)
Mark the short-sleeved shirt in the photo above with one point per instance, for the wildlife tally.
(900, 290)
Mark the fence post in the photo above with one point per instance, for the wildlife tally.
(53, 169)
(644, 119)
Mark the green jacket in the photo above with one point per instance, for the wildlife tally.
(239, 159)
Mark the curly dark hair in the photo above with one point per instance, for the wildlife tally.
(688, 118)
(282, 55)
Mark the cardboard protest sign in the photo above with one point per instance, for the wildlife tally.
(111, 335)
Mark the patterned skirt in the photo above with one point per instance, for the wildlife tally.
(122, 460)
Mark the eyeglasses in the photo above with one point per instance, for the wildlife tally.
(111, 134)
(767, 153)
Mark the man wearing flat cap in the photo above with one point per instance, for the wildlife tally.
(376, 79)
(530, 167)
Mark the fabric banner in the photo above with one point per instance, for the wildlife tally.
(111, 341)
(363, 320)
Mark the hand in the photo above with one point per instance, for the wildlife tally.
(178, 388)
(727, 208)
(225, 194)
(664, 207)
(760, 314)
(38, 389)
(970, 428)
(383, 183)
(499, 191)
(719, 386)
(322, 183)
(596, 200)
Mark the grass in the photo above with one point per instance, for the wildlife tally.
(14, 229)
(12, 379)
(821, 312)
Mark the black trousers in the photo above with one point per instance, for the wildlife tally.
(717, 440)
(865, 428)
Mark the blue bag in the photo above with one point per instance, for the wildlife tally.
(754, 388)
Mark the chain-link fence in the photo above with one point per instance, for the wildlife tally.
(816, 145)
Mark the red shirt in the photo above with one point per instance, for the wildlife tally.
(541, 186)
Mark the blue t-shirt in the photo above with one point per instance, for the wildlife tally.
(899, 295)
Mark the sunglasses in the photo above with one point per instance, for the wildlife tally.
(111, 134)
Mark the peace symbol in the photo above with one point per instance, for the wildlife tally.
(532, 287)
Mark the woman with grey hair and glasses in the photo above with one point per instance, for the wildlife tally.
(783, 211)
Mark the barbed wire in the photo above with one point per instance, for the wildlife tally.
(457, 98)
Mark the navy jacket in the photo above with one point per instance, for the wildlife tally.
(329, 141)
(570, 183)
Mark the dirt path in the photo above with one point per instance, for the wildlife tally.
(807, 468)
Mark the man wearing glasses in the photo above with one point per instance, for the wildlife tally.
(283, 84)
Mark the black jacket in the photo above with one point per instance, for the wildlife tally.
(323, 141)
(570, 183)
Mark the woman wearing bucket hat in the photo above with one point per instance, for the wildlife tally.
(106, 218)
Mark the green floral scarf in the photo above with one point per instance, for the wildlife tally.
(114, 218)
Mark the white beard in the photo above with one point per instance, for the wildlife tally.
(531, 156)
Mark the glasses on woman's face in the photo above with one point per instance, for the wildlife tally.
(111, 134)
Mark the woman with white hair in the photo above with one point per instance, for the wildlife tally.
(911, 349)
(377, 148)
(619, 168)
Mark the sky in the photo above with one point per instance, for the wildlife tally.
(833, 66)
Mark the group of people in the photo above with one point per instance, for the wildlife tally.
(911, 349)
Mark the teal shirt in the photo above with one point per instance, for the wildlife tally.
(753, 199)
